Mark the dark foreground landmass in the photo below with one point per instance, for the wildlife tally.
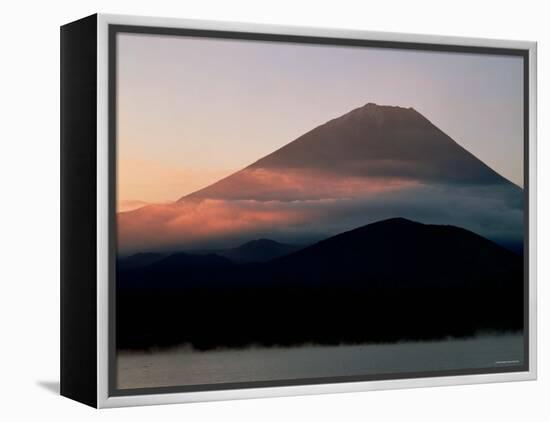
(388, 281)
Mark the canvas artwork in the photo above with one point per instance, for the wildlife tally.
(302, 212)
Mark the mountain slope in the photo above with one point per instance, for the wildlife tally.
(402, 252)
(370, 164)
(372, 142)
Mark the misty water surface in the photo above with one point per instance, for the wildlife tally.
(184, 366)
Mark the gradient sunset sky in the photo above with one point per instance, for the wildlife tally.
(194, 110)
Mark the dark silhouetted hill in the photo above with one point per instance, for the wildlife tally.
(401, 252)
(138, 260)
(260, 250)
(176, 271)
(387, 281)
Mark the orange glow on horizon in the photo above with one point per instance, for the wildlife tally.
(284, 199)
(287, 184)
(156, 226)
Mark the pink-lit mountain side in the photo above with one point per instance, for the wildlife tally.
(372, 163)
(369, 150)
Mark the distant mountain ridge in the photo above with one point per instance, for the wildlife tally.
(259, 250)
(424, 253)
(138, 260)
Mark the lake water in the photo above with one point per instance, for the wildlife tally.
(184, 366)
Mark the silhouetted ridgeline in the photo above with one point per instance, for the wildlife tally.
(388, 281)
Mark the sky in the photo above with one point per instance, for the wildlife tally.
(194, 110)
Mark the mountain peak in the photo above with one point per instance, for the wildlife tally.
(372, 142)
(383, 115)
(383, 107)
(373, 107)
(258, 242)
(397, 220)
(387, 106)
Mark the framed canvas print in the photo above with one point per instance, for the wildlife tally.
(252, 210)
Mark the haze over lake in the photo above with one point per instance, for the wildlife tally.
(184, 366)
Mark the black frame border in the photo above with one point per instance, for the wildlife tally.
(115, 29)
(78, 210)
